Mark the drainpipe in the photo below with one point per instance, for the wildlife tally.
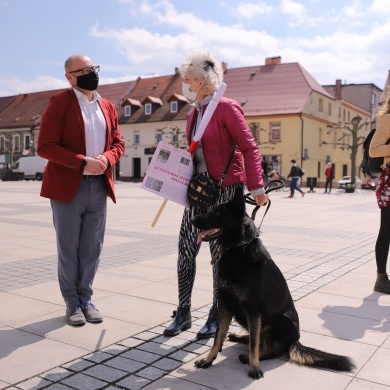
(300, 117)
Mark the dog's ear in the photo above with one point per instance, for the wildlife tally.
(239, 201)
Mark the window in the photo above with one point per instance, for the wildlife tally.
(349, 116)
(16, 143)
(321, 105)
(159, 135)
(173, 106)
(2, 144)
(127, 110)
(330, 109)
(148, 108)
(339, 112)
(275, 132)
(271, 163)
(27, 142)
(344, 115)
(137, 137)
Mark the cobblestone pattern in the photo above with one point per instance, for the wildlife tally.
(19, 274)
(129, 364)
(137, 361)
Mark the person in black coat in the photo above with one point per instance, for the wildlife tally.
(295, 174)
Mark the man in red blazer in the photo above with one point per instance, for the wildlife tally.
(80, 137)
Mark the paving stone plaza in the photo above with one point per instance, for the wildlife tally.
(323, 243)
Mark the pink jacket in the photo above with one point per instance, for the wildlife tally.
(226, 127)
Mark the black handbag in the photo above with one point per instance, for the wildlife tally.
(203, 191)
(371, 166)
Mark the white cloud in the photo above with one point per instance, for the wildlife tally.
(295, 11)
(354, 10)
(325, 40)
(253, 10)
(292, 8)
(15, 85)
(380, 7)
(342, 53)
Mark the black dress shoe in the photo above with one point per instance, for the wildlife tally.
(181, 322)
(210, 327)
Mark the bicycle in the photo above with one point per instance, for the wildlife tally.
(286, 184)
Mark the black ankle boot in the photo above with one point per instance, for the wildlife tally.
(382, 283)
(210, 327)
(181, 322)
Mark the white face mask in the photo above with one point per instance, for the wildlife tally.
(185, 87)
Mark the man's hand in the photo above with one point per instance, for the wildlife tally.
(103, 159)
(95, 166)
(261, 200)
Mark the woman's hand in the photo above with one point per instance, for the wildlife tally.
(261, 200)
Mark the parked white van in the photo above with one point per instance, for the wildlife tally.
(32, 166)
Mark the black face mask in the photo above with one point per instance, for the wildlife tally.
(88, 81)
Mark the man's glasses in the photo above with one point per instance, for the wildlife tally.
(87, 70)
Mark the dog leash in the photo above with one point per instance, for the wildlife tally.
(272, 185)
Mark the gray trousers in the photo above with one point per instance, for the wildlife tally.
(80, 227)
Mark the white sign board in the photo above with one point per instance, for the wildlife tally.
(169, 173)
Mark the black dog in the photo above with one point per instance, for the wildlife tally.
(253, 290)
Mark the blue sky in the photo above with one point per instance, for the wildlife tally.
(331, 39)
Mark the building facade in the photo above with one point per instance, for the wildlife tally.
(291, 116)
(367, 96)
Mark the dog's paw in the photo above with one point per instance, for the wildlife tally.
(203, 363)
(233, 337)
(239, 337)
(255, 373)
(244, 358)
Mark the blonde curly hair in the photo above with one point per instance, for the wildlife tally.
(203, 64)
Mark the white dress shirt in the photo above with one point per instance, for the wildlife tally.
(95, 124)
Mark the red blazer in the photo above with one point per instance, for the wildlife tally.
(62, 142)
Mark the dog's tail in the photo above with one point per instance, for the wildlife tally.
(311, 357)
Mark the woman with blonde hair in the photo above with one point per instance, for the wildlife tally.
(379, 147)
(202, 76)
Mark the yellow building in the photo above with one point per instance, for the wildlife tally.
(289, 113)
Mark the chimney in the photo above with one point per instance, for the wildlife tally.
(337, 90)
(224, 67)
(273, 60)
(177, 73)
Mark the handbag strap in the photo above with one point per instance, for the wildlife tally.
(223, 176)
